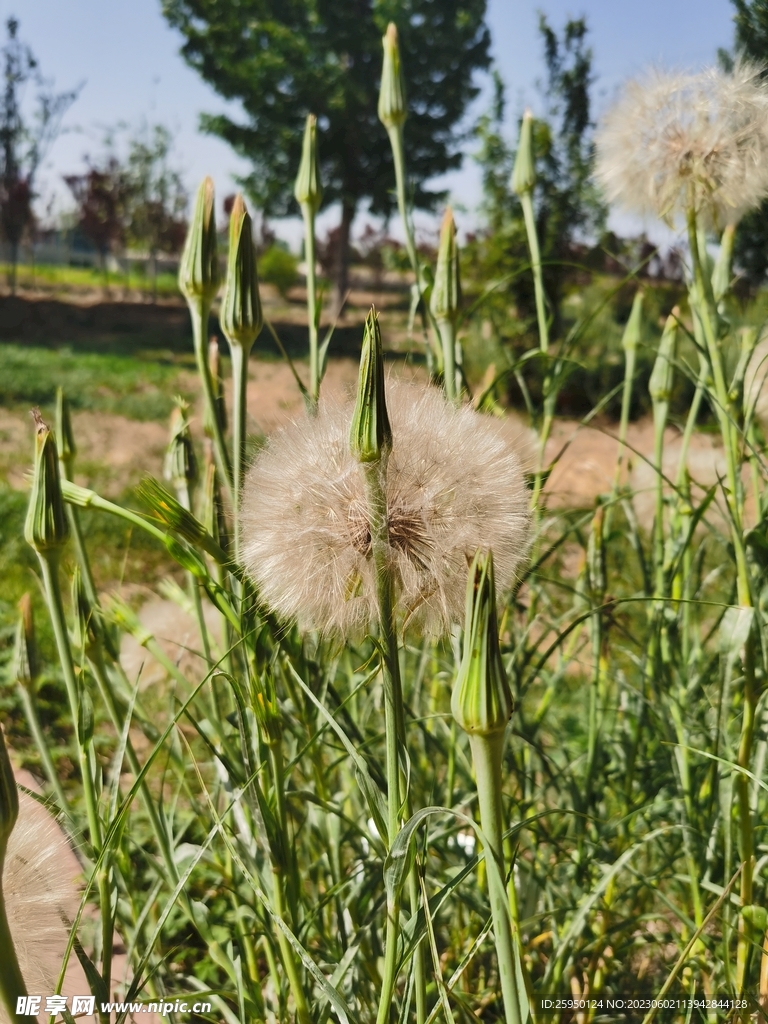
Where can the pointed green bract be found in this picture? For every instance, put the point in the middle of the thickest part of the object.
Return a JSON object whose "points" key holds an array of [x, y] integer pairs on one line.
{"points": [[524, 172], [308, 189], [392, 108], [631, 337], [445, 301], [199, 266], [482, 701], [662, 375], [241, 316], [46, 527], [25, 660], [370, 435]]}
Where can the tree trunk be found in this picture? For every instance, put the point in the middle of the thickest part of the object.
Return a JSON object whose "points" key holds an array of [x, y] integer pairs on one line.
{"points": [[12, 270], [348, 209]]}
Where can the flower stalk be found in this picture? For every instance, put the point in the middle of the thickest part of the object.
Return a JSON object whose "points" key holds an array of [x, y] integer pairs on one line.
{"points": [[445, 301], [482, 706], [522, 183]]}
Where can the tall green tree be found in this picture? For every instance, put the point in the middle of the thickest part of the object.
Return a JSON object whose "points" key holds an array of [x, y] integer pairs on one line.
{"points": [[283, 59], [750, 250]]}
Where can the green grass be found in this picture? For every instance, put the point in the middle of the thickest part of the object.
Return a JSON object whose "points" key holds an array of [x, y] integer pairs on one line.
{"points": [[62, 276], [136, 387]]}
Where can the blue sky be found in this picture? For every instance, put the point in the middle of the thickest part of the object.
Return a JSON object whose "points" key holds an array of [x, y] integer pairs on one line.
{"points": [[128, 59]]}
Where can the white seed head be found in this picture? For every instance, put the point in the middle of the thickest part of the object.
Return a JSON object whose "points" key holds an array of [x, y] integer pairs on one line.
{"points": [[676, 141], [40, 893], [454, 484]]}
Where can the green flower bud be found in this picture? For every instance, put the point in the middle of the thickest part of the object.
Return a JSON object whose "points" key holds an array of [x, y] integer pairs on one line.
{"points": [[170, 511], [199, 266], [308, 189], [482, 701], [524, 172], [25, 660], [46, 527], [85, 717], [445, 300], [631, 337], [370, 436], [392, 109], [180, 465], [9, 800], [65, 438], [219, 409], [266, 708], [241, 317], [124, 617], [662, 375]]}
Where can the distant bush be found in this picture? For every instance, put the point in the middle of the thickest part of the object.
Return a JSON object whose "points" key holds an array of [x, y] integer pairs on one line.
{"points": [[277, 266]]}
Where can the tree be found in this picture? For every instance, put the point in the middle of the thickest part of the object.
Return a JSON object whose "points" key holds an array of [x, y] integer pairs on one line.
{"points": [[23, 141], [101, 194], [154, 196], [750, 250], [283, 59]]}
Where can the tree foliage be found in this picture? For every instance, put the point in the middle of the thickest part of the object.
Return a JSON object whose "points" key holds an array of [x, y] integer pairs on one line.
{"points": [[283, 60], [750, 251], [24, 140]]}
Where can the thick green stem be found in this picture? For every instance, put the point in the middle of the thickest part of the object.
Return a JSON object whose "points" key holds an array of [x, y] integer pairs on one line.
{"points": [[746, 831], [308, 213], [486, 756], [239, 406], [398, 157], [200, 313], [526, 202], [448, 339], [49, 567], [12, 983]]}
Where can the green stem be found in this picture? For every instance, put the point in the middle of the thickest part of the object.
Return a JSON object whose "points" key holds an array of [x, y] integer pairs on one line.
{"points": [[394, 720], [526, 202], [746, 833], [447, 331], [286, 951], [49, 567], [12, 983], [486, 756], [30, 713], [398, 157], [308, 214], [200, 312], [239, 392]]}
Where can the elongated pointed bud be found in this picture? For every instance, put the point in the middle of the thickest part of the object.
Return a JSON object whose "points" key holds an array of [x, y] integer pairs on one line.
{"points": [[46, 527], [524, 171], [482, 701], [308, 188], [241, 317], [370, 435], [219, 408], [392, 108], [9, 801], [180, 465], [25, 660], [663, 373], [266, 708], [633, 329], [65, 438], [125, 618], [199, 266], [445, 301]]}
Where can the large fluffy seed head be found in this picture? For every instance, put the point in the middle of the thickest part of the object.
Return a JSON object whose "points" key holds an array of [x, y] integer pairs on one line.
{"points": [[454, 485], [40, 893], [675, 141]]}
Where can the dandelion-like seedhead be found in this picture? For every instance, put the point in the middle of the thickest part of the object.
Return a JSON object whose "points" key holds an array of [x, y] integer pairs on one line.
{"points": [[454, 484], [675, 142], [39, 895]]}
